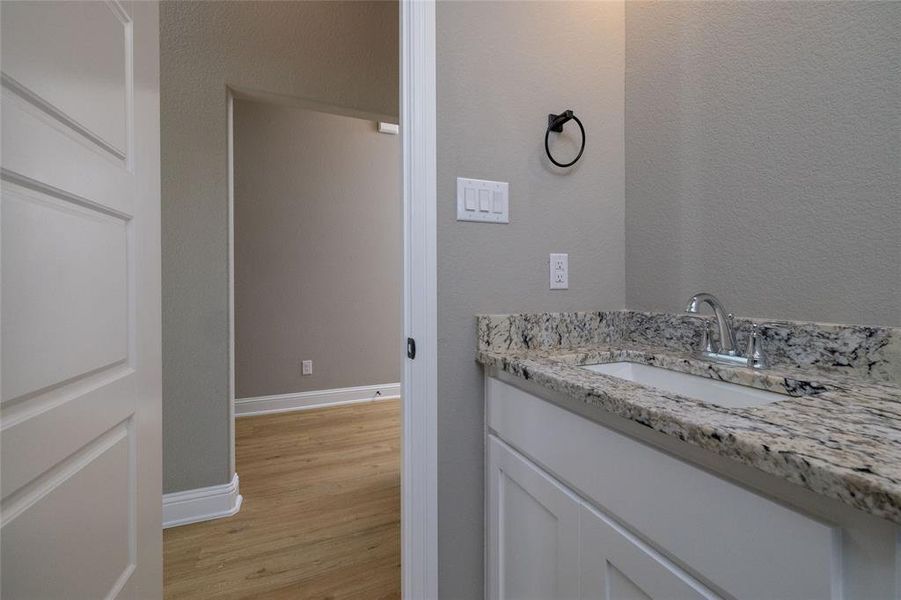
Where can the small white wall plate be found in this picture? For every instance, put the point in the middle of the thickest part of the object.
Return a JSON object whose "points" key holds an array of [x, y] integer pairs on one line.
{"points": [[483, 201]]}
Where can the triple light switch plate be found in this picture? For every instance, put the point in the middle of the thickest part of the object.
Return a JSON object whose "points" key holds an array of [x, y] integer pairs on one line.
{"points": [[483, 201]]}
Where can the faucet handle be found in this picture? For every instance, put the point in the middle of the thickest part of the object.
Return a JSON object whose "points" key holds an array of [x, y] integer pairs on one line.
{"points": [[708, 344], [755, 355]]}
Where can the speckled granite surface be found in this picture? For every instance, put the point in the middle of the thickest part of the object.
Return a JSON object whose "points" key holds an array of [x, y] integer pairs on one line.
{"points": [[872, 353], [837, 433]]}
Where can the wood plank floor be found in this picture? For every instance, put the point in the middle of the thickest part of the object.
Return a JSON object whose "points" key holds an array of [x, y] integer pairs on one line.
{"points": [[321, 513]]}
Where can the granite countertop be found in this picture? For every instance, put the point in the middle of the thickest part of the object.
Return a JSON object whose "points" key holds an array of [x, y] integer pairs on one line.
{"points": [[836, 433]]}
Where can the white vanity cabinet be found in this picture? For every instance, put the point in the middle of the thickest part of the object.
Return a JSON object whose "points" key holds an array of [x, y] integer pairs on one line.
{"points": [[546, 543], [579, 509]]}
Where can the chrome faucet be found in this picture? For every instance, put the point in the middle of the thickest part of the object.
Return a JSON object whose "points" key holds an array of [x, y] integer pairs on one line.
{"points": [[724, 321], [724, 349]]}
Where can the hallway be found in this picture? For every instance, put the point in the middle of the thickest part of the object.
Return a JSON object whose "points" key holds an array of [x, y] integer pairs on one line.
{"points": [[321, 512]]}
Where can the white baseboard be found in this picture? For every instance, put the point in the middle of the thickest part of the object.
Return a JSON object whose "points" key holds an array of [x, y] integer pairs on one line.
{"points": [[201, 504], [262, 405]]}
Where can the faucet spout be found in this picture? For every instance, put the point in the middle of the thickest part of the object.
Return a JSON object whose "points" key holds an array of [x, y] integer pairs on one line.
{"points": [[726, 333]]}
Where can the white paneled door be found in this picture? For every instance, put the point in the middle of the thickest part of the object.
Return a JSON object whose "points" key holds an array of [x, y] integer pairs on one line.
{"points": [[80, 301]]}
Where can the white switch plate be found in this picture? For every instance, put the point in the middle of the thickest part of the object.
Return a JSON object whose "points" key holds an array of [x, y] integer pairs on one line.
{"points": [[483, 201], [307, 367], [559, 271]]}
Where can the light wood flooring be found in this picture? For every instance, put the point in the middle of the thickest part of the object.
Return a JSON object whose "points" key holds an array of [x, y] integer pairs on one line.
{"points": [[321, 513]]}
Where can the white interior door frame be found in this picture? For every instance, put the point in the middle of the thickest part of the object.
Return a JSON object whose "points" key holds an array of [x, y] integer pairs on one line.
{"points": [[230, 107], [419, 379]]}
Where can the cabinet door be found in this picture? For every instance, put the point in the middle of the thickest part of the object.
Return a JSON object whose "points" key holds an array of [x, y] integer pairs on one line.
{"points": [[533, 529], [618, 566]]}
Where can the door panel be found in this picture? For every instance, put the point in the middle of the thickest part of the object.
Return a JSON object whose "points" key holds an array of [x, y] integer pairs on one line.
{"points": [[533, 530], [65, 278], [620, 587], [618, 566], [36, 539], [83, 409], [79, 301], [72, 58]]}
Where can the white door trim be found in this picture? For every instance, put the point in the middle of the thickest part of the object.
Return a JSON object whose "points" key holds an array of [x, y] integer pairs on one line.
{"points": [[419, 379], [230, 107]]}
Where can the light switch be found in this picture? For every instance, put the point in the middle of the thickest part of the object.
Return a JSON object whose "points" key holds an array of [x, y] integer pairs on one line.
{"points": [[498, 202], [484, 201], [470, 198]]}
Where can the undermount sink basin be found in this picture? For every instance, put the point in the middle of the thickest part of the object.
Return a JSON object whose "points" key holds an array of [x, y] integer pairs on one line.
{"points": [[729, 395]]}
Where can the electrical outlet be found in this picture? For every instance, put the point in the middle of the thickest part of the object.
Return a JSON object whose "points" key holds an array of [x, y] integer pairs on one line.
{"points": [[559, 271], [307, 367]]}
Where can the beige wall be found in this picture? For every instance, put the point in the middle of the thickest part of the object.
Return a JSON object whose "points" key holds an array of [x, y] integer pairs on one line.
{"points": [[763, 158], [318, 238], [502, 67], [337, 53]]}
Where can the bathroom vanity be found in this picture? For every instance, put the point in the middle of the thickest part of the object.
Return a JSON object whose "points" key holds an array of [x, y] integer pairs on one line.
{"points": [[620, 464]]}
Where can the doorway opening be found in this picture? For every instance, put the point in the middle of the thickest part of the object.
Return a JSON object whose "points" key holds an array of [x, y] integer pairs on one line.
{"points": [[418, 373], [316, 286], [317, 272]]}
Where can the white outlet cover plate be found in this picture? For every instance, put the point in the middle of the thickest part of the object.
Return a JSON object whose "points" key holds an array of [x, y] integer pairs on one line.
{"points": [[483, 201], [558, 267]]}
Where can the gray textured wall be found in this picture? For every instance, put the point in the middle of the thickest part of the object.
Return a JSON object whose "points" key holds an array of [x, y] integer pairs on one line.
{"points": [[502, 67], [763, 157], [339, 53], [318, 264]]}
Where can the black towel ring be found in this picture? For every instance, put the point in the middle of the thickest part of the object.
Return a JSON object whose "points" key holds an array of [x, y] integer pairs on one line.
{"points": [[555, 123]]}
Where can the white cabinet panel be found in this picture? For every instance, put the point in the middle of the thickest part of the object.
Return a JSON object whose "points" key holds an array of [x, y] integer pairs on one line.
{"points": [[618, 566], [533, 531]]}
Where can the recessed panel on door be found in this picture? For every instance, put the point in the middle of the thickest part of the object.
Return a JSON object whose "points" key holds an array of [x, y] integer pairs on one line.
{"points": [[71, 59], [65, 290], [71, 534]]}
